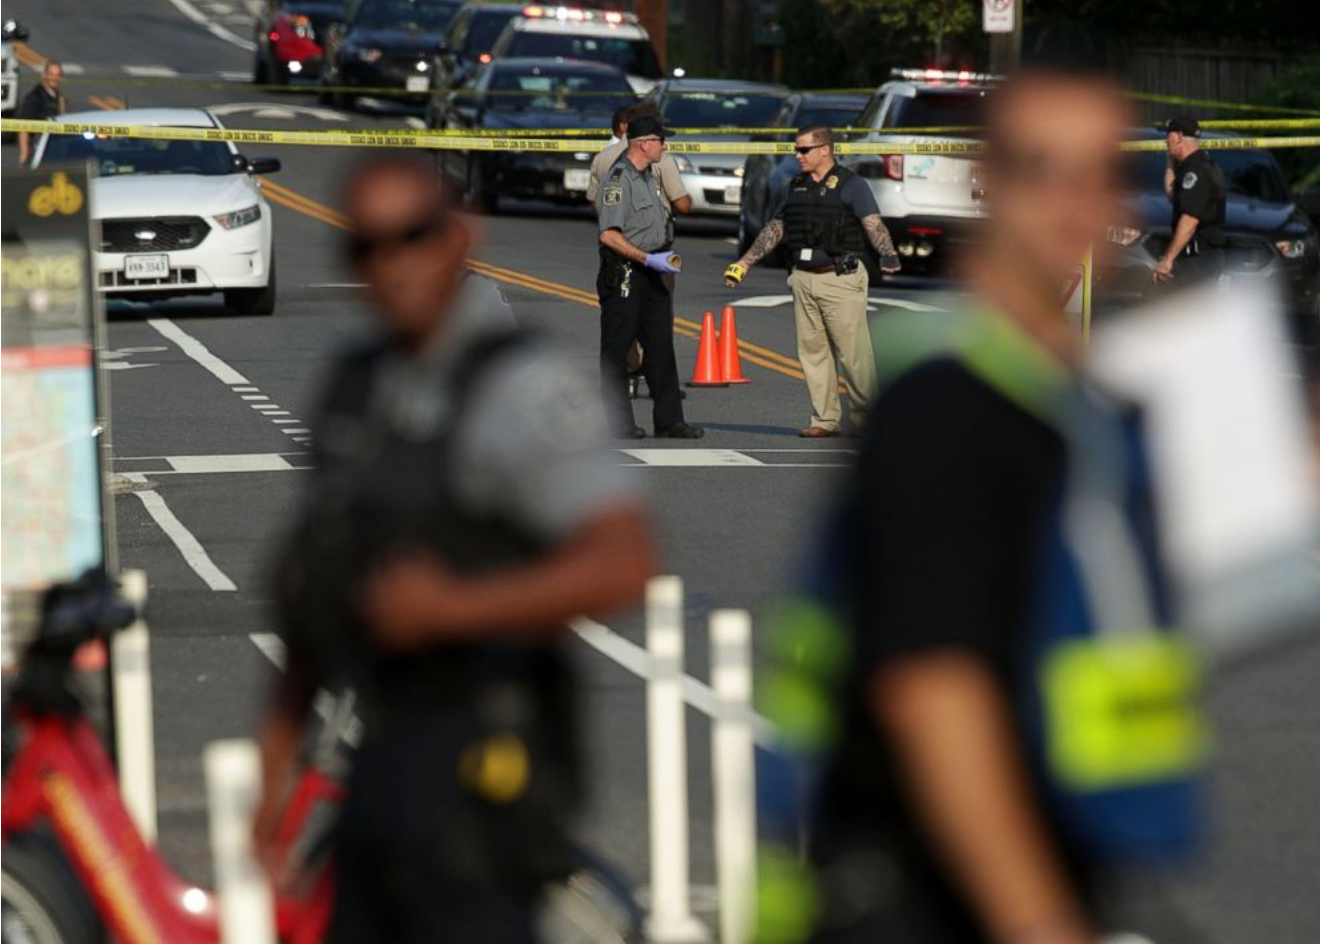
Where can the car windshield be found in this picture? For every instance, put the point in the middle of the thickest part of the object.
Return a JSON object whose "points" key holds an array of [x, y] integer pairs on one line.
{"points": [[120, 156], [632, 56], [1252, 174], [427, 15], [720, 109], [556, 91], [938, 110], [831, 116], [486, 28]]}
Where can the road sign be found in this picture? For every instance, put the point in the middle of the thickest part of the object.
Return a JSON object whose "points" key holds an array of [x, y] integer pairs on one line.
{"points": [[997, 16]]}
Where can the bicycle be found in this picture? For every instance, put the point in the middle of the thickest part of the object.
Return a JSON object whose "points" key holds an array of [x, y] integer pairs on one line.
{"points": [[75, 866]]}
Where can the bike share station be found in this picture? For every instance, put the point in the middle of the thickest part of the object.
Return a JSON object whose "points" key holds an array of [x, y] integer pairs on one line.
{"points": [[75, 828]]}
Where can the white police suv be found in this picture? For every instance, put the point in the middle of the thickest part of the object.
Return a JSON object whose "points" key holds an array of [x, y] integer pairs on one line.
{"points": [[930, 202]]}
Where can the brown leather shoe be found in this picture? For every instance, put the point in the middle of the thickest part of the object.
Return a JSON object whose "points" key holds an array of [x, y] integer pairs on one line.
{"points": [[817, 432]]}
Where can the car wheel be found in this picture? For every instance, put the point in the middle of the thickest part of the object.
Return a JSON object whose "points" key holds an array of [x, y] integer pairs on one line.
{"points": [[254, 301], [480, 190]]}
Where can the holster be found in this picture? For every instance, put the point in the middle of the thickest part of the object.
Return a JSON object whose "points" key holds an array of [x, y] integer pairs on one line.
{"points": [[614, 268]]}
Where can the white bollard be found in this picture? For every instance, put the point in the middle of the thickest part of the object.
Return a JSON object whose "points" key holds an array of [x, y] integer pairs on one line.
{"points": [[670, 920], [733, 763], [233, 785], [135, 738]]}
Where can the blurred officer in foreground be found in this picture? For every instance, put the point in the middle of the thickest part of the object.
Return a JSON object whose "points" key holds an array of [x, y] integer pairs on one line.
{"points": [[1014, 723], [45, 102], [1195, 185], [636, 297], [827, 220], [461, 512]]}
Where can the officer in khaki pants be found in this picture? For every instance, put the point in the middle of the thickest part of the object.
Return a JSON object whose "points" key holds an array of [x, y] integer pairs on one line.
{"points": [[826, 221]]}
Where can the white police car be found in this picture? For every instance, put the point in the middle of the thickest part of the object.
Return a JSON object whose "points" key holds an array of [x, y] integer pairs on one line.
{"points": [[175, 217], [930, 202]]}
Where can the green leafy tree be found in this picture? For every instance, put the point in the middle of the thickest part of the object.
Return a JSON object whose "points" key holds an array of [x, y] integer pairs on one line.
{"points": [[928, 22]]}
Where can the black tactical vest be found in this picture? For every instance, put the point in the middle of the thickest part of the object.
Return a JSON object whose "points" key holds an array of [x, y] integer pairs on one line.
{"points": [[815, 216]]}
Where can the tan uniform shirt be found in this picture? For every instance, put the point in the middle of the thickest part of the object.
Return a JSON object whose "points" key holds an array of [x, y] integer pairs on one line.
{"points": [[671, 181]]}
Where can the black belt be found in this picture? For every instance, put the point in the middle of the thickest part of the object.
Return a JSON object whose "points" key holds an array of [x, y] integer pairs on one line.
{"points": [[817, 270]]}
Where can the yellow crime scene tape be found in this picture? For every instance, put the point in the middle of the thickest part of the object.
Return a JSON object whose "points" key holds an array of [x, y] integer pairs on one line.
{"points": [[409, 138]]}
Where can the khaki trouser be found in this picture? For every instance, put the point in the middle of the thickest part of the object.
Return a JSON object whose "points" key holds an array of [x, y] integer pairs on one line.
{"points": [[830, 311]]}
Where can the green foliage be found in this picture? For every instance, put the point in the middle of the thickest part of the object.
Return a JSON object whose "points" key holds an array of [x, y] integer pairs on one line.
{"points": [[1297, 87]]}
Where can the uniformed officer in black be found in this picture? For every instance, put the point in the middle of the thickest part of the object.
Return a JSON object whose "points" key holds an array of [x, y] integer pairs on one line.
{"points": [[636, 255], [1195, 185], [827, 219]]}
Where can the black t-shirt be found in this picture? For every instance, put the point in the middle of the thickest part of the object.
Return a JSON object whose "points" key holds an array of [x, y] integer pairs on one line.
{"points": [[1199, 191], [949, 492], [40, 105]]}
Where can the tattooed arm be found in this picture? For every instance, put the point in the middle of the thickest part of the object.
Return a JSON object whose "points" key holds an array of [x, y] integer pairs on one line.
{"points": [[878, 235], [764, 244]]}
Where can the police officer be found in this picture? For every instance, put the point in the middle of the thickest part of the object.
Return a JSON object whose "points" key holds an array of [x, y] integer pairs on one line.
{"points": [[461, 511], [44, 103], [1195, 185], [636, 255], [672, 188], [827, 219]]}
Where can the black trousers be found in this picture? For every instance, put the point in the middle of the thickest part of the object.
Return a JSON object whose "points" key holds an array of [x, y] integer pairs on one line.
{"points": [[645, 314], [1207, 264]]}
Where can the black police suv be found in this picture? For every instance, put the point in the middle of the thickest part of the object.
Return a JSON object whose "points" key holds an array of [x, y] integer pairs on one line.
{"points": [[289, 37], [530, 94], [384, 44], [766, 176], [468, 41], [1268, 236]]}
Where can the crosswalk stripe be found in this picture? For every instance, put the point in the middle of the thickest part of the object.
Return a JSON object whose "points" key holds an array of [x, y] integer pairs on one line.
{"points": [[164, 72]]}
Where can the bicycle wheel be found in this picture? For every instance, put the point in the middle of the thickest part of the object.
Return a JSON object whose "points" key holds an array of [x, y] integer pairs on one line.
{"points": [[42, 899]]}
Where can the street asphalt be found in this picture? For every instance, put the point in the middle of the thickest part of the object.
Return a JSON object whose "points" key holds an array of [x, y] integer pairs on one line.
{"points": [[732, 531]]}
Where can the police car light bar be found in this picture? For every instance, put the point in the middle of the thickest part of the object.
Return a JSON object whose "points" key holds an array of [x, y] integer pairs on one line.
{"points": [[943, 75], [613, 17]]}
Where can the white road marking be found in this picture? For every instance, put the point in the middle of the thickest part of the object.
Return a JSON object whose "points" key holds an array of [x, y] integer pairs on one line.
{"points": [[194, 555], [123, 365], [764, 301], [244, 462], [266, 110], [282, 422], [902, 303], [235, 76], [295, 432], [254, 396], [266, 409], [246, 389], [159, 72], [692, 457], [215, 29], [197, 351], [608, 643]]}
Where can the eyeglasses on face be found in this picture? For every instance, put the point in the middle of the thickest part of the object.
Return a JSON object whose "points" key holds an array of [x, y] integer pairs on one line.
{"points": [[807, 148]]}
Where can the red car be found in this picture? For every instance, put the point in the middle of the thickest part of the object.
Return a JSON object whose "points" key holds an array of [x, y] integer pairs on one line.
{"points": [[289, 35]]}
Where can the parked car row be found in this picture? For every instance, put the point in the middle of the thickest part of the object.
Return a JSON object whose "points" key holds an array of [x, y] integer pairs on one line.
{"points": [[506, 66]]}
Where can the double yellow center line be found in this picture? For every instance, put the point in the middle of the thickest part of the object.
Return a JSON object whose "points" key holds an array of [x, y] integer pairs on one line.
{"points": [[754, 353]]}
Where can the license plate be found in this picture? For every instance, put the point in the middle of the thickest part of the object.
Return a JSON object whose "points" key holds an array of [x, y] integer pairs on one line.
{"points": [[733, 195], [416, 83], [577, 178], [147, 267]]}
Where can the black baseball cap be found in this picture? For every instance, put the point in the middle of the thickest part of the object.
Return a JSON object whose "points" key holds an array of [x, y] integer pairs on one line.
{"points": [[1183, 124], [646, 127]]}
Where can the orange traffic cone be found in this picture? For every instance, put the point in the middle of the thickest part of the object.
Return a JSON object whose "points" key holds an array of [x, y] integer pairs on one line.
{"points": [[708, 372], [730, 360]]}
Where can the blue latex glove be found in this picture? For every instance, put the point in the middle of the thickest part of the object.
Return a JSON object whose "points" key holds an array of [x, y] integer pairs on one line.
{"points": [[659, 261]]}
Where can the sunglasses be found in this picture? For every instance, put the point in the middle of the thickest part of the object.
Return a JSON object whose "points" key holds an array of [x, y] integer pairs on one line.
{"points": [[807, 148], [360, 248]]}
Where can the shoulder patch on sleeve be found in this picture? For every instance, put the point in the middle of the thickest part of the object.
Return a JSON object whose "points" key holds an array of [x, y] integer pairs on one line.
{"points": [[611, 195], [1189, 180]]}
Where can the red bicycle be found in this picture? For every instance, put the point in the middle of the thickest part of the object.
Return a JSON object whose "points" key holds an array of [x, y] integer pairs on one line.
{"points": [[75, 866]]}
